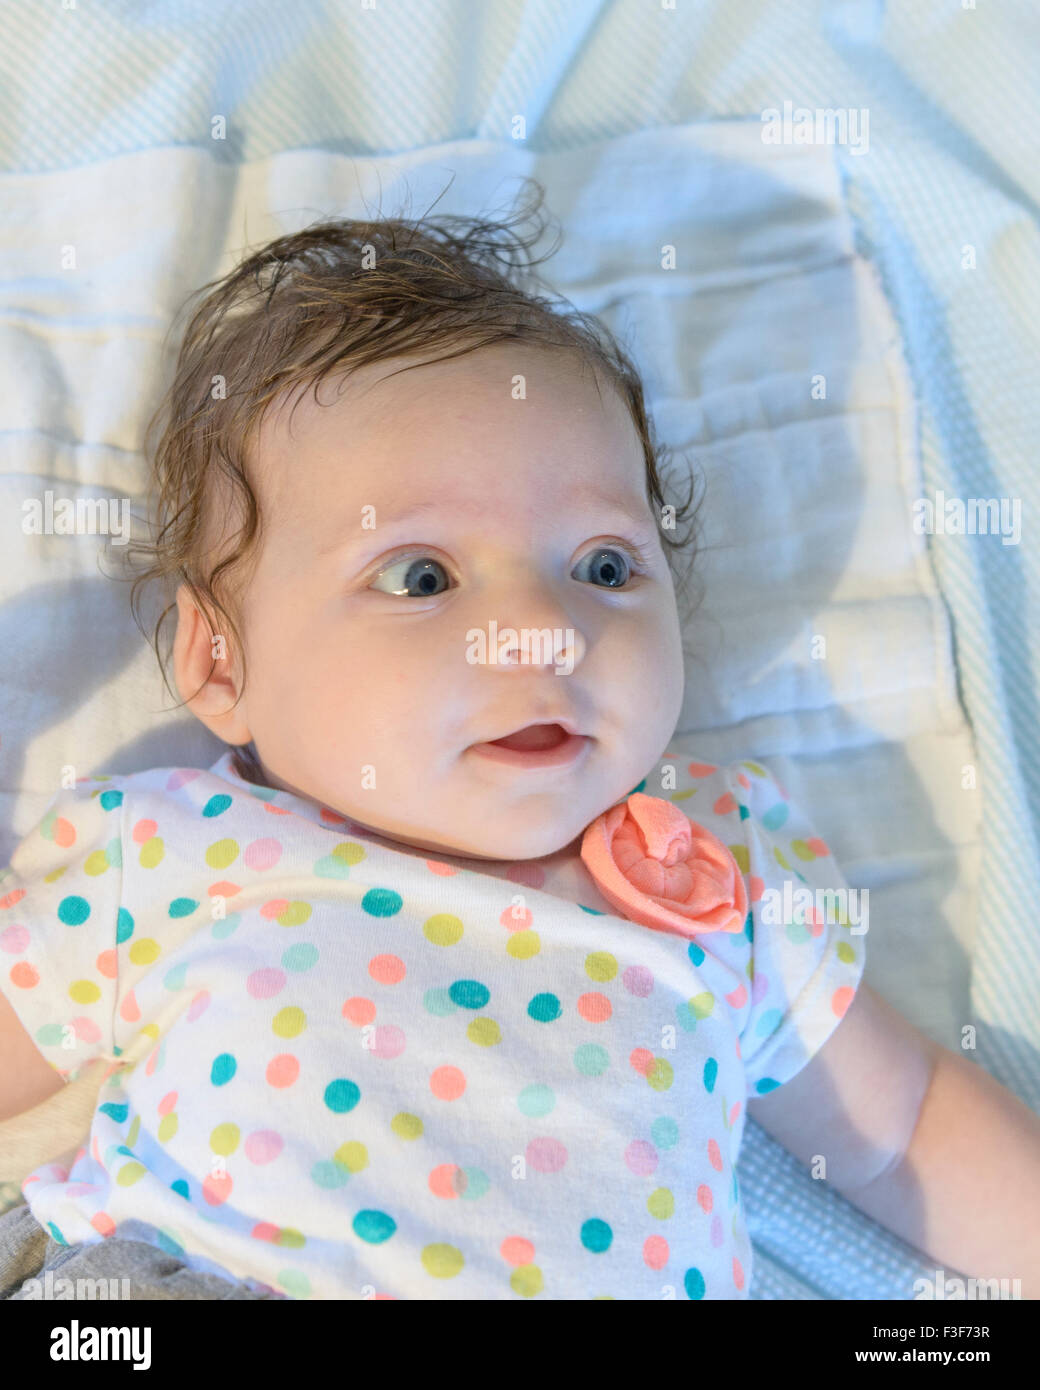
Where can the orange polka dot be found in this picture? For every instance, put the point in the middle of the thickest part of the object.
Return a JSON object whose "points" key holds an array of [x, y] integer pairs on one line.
{"points": [[144, 830], [757, 886], [274, 810], [282, 1070], [655, 1252], [106, 964], [152, 1062], [594, 1007], [359, 1011], [447, 1180], [168, 1103], [24, 975], [447, 1083], [516, 918], [128, 1010], [10, 899], [742, 779], [700, 769], [102, 1223], [841, 999], [442, 870], [64, 833], [818, 847], [332, 817], [274, 908], [223, 889], [263, 1230], [386, 970], [641, 1059], [725, 804], [515, 1250], [738, 1273], [714, 1156], [217, 1190], [705, 1198]]}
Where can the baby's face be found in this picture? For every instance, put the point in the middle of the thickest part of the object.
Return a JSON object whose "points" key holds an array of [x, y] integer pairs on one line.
{"points": [[365, 687]]}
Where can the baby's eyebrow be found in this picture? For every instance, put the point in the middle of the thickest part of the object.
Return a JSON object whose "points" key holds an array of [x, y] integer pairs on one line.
{"points": [[612, 507]]}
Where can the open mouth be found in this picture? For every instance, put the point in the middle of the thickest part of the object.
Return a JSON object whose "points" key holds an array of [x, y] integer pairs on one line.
{"points": [[535, 746], [533, 738]]}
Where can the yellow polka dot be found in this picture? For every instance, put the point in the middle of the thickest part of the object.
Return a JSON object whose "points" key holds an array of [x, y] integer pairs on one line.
{"points": [[151, 1030], [95, 863], [152, 852], [846, 953], [143, 952], [406, 1126], [167, 1127], [802, 850], [682, 796], [293, 1239], [349, 852], [779, 859], [133, 1132], [352, 1155], [289, 1022], [661, 1203], [130, 1173], [222, 853], [224, 1139], [53, 877], [740, 854], [442, 930], [294, 915], [84, 992], [758, 771], [702, 1004], [660, 1074], [485, 1032], [526, 1281], [600, 966], [442, 1261], [522, 945]]}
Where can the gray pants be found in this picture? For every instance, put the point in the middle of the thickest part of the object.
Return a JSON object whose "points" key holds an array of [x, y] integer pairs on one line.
{"points": [[28, 1252]]}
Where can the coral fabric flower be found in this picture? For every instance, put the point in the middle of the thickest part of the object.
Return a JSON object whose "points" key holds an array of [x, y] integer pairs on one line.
{"points": [[658, 867]]}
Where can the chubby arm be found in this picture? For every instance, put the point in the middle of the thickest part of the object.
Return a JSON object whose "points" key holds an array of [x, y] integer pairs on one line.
{"points": [[920, 1139]]}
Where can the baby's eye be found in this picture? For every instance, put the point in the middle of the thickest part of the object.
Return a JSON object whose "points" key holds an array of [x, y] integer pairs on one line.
{"points": [[418, 576], [605, 563]]}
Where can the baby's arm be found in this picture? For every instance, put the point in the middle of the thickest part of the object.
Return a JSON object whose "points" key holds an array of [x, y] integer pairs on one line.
{"points": [[924, 1141]]}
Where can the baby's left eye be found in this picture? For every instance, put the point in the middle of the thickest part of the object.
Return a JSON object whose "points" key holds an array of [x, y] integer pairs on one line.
{"points": [[611, 564]]}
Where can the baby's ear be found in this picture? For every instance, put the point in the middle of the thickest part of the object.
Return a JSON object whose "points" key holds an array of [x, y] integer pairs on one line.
{"points": [[204, 672]]}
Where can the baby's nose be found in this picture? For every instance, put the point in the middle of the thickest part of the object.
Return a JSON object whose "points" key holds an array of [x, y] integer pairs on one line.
{"points": [[540, 647]]}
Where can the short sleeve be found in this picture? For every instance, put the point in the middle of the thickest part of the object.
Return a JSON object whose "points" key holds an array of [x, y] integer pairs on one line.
{"points": [[59, 918], [808, 931]]}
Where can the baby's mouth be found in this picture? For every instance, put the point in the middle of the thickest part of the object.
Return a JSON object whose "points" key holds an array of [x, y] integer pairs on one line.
{"points": [[533, 738]]}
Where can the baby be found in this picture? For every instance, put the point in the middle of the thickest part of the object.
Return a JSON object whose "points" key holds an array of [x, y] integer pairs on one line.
{"points": [[453, 978]]}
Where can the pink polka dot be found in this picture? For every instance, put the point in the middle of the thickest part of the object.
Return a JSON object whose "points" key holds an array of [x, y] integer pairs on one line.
{"points": [[107, 964], [757, 886], [734, 1112], [168, 1103], [655, 1252], [546, 1155], [181, 776], [738, 1273], [263, 854], [282, 1070], [714, 1156], [103, 1223], [515, 1250], [841, 999], [274, 908], [388, 1041], [516, 918], [144, 830], [265, 984], [759, 987], [217, 1190], [818, 847], [530, 875], [738, 998], [14, 939], [705, 1198], [198, 1006], [86, 1030], [152, 1061], [641, 1158], [442, 870], [641, 1059], [594, 1007], [742, 779], [448, 1180], [716, 1230], [447, 1083], [386, 970], [263, 1146], [129, 1011], [638, 980], [263, 1230], [359, 1011]]}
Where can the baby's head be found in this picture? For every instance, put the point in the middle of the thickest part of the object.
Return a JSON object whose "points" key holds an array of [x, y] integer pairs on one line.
{"points": [[408, 506]]}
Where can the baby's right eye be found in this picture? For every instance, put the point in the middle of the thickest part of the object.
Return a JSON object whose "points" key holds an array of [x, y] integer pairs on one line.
{"points": [[419, 575]]}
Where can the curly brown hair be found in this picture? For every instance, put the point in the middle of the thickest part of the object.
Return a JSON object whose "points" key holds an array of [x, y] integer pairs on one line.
{"points": [[334, 297]]}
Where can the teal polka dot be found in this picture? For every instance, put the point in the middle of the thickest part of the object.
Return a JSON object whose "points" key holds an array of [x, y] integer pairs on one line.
{"points": [[382, 902], [744, 812], [114, 853], [767, 1084], [56, 1233], [173, 980], [591, 1060], [687, 1018], [596, 1236], [749, 927], [342, 1095], [374, 1226], [110, 800], [595, 911], [476, 1184], [167, 1243], [216, 805], [711, 1071], [122, 1149], [182, 907], [223, 1069], [118, 1113], [536, 1101], [223, 929], [49, 1035], [695, 953], [438, 1002], [693, 1282], [768, 1023], [774, 818], [124, 926], [181, 1189], [469, 994], [73, 910], [302, 956], [328, 1173], [543, 1008], [664, 1132], [294, 1282], [639, 788]]}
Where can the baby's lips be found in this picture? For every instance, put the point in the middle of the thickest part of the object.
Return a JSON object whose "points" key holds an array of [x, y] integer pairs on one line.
{"points": [[663, 870]]}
